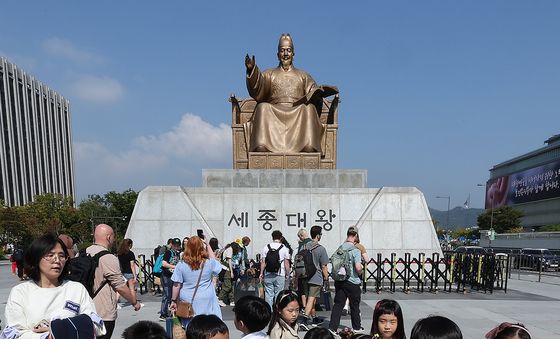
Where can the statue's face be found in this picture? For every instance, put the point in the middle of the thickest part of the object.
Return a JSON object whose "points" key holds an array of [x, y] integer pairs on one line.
{"points": [[286, 54]]}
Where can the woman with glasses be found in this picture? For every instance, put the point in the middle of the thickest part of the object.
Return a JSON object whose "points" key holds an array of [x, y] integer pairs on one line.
{"points": [[46, 296]]}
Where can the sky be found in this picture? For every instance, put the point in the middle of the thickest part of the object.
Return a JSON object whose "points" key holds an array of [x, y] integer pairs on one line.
{"points": [[433, 93]]}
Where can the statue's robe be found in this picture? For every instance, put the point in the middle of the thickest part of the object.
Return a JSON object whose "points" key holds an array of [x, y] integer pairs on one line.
{"points": [[278, 124]]}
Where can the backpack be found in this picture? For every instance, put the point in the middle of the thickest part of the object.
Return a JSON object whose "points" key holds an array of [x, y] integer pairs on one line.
{"points": [[272, 259], [157, 264], [82, 269], [17, 256], [305, 266], [342, 263]]}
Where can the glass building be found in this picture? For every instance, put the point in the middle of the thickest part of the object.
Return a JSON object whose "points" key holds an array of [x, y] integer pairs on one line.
{"points": [[35, 138]]}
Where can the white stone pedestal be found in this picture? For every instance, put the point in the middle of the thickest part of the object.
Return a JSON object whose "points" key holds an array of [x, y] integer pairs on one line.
{"points": [[237, 203]]}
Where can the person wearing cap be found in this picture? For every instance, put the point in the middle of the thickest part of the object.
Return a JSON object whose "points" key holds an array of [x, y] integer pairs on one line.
{"points": [[170, 260], [349, 288]]}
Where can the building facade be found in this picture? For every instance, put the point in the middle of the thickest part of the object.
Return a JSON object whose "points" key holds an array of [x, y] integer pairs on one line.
{"points": [[529, 183], [35, 138]]}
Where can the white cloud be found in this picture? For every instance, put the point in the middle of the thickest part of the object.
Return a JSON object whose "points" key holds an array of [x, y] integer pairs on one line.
{"points": [[171, 158], [97, 89], [193, 137], [65, 49]]}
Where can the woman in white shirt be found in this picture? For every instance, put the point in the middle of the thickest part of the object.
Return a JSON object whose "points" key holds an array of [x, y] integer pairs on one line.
{"points": [[47, 296]]}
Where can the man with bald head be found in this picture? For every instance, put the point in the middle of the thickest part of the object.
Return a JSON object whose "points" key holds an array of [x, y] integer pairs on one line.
{"points": [[108, 275]]}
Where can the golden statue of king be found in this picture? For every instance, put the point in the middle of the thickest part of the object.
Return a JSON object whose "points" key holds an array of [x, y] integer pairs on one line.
{"points": [[285, 118]]}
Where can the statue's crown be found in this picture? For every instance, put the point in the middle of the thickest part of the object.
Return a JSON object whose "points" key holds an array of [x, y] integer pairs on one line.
{"points": [[285, 37]]}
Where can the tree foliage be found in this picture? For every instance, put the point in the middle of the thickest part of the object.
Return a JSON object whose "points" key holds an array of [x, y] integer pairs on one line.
{"points": [[56, 213], [549, 228], [503, 220]]}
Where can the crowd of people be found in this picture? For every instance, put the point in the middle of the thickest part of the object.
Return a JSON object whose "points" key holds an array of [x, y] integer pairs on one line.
{"points": [[200, 277]]}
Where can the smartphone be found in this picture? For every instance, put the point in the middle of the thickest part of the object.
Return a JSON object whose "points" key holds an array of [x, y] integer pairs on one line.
{"points": [[200, 234]]}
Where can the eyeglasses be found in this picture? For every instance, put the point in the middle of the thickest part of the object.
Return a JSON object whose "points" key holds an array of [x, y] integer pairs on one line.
{"points": [[51, 257]]}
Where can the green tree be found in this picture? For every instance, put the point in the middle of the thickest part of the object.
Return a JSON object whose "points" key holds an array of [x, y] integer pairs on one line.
{"points": [[47, 213], [549, 228], [503, 219], [113, 208]]}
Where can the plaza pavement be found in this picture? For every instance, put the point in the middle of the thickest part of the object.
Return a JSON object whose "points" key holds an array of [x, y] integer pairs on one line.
{"points": [[535, 304]]}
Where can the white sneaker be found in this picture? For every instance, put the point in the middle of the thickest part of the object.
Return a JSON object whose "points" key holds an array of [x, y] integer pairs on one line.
{"points": [[361, 330], [335, 335], [303, 328], [232, 304], [221, 303]]}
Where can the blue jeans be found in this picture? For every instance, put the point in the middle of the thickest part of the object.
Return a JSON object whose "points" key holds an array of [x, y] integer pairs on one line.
{"points": [[273, 284], [166, 286]]}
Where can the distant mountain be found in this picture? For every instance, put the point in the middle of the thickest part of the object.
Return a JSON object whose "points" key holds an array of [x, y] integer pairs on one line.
{"points": [[458, 217]]}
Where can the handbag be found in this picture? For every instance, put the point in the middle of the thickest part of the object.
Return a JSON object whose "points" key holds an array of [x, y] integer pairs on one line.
{"points": [[185, 308]]}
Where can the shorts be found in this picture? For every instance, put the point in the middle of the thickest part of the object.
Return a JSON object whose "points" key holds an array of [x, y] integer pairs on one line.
{"points": [[311, 290], [128, 276]]}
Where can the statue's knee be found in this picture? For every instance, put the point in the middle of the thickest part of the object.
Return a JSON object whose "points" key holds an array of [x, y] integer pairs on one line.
{"points": [[260, 149], [308, 149]]}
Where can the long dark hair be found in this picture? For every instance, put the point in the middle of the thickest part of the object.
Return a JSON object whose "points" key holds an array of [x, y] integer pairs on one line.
{"points": [[235, 248], [282, 300], [287, 244], [213, 244], [125, 246], [37, 250], [388, 306]]}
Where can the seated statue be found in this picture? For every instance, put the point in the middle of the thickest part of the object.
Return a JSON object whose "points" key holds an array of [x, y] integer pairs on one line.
{"points": [[285, 118]]}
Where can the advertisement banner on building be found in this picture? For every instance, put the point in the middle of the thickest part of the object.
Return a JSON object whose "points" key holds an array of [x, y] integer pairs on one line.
{"points": [[537, 183]]}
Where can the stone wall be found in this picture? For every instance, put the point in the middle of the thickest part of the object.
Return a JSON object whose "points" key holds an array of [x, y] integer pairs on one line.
{"points": [[390, 219]]}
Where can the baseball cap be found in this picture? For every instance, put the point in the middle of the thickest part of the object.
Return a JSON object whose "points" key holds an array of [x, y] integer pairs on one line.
{"points": [[176, 241]]}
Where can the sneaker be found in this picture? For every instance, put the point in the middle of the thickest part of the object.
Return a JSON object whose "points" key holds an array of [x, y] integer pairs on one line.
{"points": [[303, 328], [232, 304], [361, 330], [162, 318], [317, 320], [221, 303], [334, 334]]}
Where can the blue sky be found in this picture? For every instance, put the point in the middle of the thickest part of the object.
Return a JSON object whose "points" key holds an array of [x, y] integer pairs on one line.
{"points": [[434, 93]]}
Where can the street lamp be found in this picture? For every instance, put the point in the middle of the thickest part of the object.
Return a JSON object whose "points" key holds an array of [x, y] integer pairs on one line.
{"points": [[491, 231], [448, 203], [93, 218]]}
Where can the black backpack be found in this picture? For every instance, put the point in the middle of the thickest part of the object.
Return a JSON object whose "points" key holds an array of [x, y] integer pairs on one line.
{"points": [[18, 256], [305, 267], [82, 269], [272, 259]]}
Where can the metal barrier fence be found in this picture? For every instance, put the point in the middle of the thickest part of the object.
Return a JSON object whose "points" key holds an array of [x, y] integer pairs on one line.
{"points": [[448, 273], [540, 265]]}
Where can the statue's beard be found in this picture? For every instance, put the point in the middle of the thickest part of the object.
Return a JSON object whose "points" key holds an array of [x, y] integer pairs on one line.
{"points": [[286, 63]]}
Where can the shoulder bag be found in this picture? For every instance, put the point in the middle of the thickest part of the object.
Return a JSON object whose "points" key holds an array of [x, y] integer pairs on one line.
{"points": [[184, 308]]}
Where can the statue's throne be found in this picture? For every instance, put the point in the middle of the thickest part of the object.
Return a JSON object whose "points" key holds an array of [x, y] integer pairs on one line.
{"points": [[242, 112]]}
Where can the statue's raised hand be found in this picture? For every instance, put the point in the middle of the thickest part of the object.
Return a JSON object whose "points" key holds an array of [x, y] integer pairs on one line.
{"points": [[249, 63]]}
